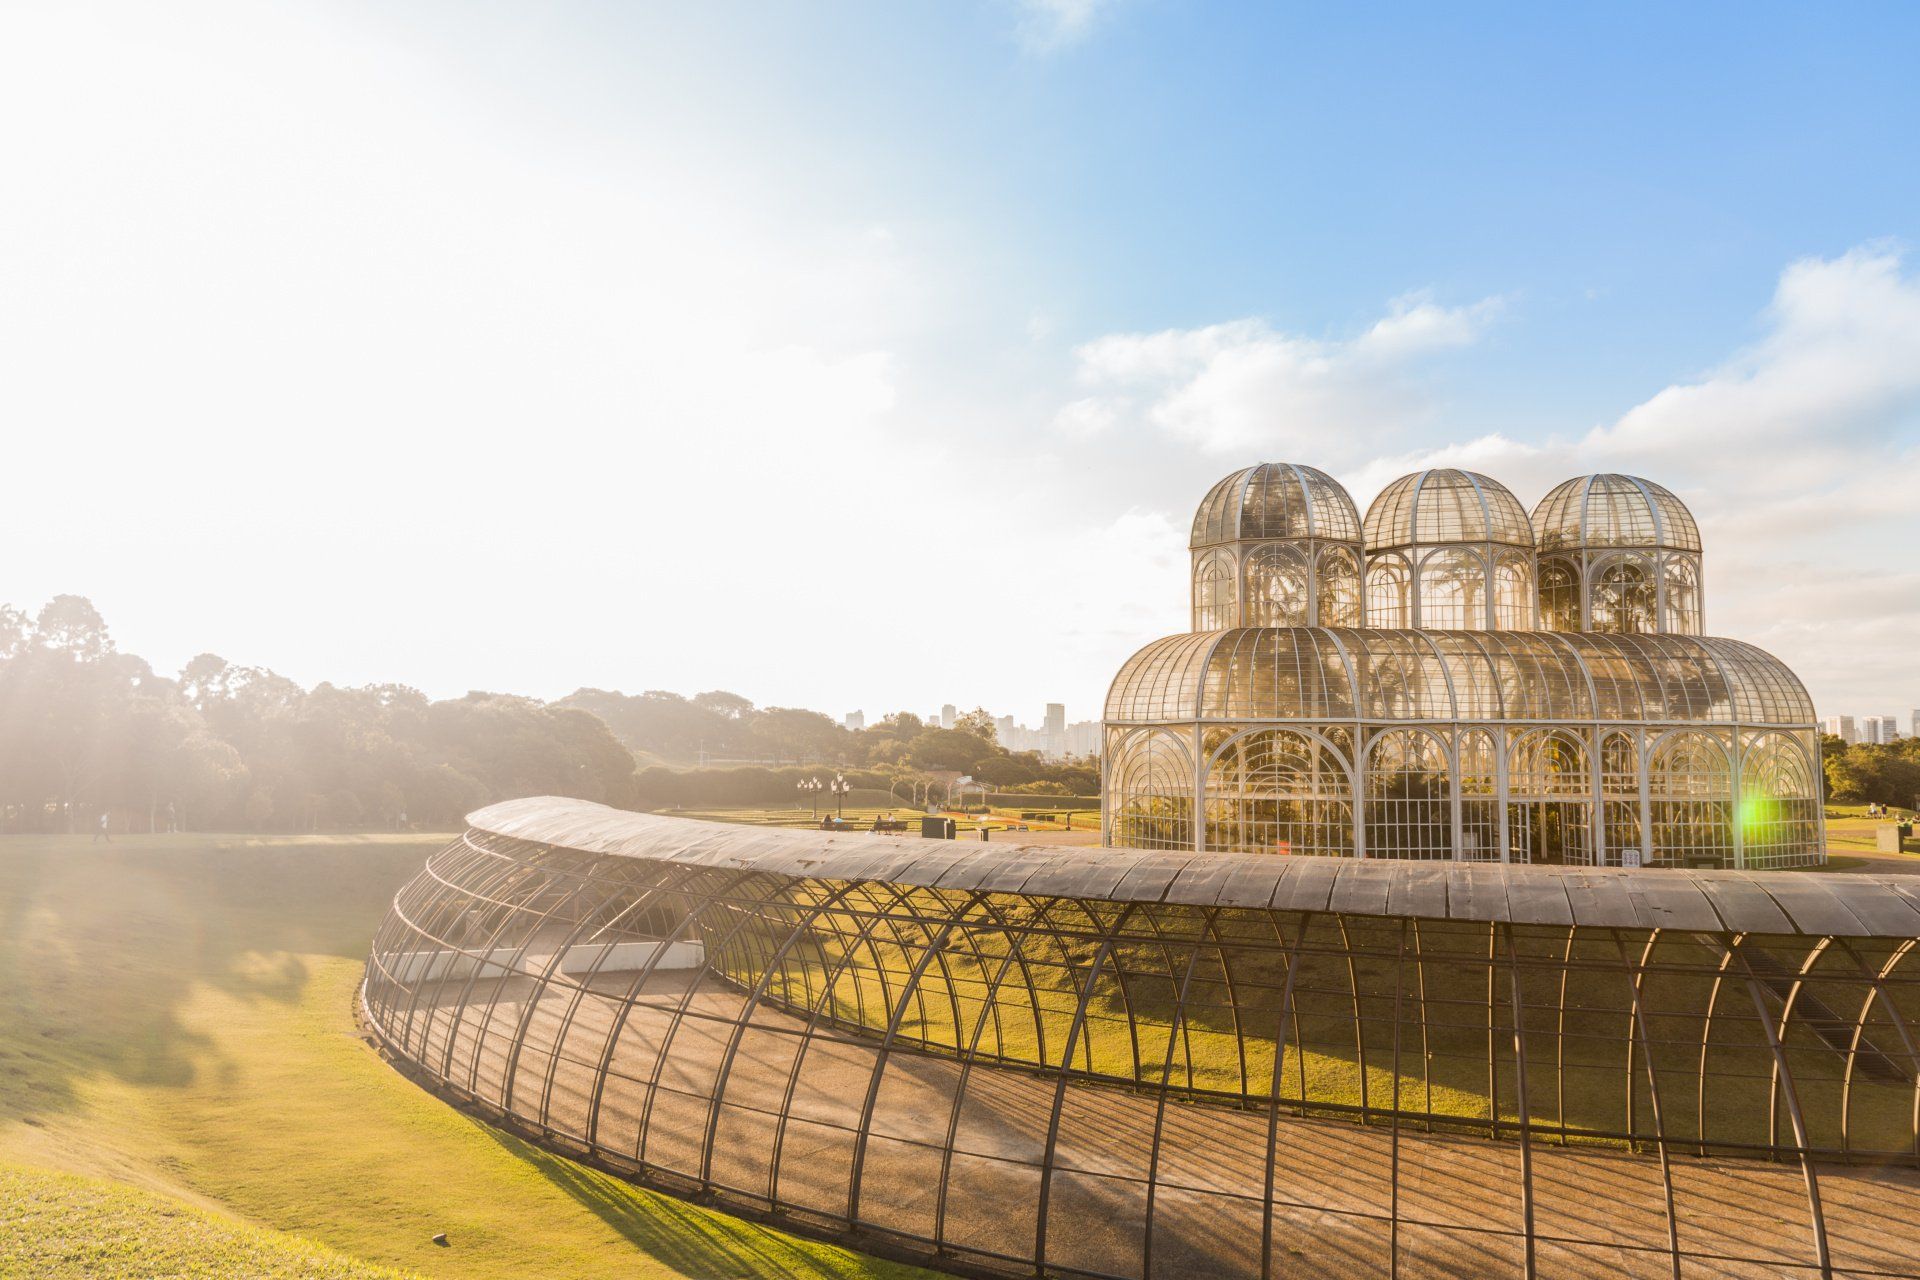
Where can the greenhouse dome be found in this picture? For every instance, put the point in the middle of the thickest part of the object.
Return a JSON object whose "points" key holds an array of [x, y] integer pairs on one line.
{"points": [[1486, 711], [1276, 545], [1450, 549], [1617, 553]]}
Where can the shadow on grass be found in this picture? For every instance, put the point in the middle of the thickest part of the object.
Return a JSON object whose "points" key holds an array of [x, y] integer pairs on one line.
{"points": [[102, 946], [686, 1237]]}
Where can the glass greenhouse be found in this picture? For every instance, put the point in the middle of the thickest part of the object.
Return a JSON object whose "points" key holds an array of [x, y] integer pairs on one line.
{"points": [[1503, 689]]}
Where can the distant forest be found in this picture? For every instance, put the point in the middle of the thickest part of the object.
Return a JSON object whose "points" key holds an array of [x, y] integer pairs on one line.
{"points": [[87, 730]]}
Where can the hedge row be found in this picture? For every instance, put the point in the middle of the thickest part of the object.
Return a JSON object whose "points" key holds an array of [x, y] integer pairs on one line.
{"points": [[1029, 800]]}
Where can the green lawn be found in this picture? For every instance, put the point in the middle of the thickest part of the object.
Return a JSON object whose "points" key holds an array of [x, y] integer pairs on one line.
{"points": [[62, 1226], [176, 1014], [1850, 830]]}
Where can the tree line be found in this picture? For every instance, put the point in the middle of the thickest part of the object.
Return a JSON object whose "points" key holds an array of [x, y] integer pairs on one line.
{"points": [[1871, 773], [665, 728], [86, 730]]}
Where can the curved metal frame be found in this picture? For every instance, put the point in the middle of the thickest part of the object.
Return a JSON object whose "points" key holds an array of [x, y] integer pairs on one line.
{"points": [[1099, 1062], [1180, 693]]}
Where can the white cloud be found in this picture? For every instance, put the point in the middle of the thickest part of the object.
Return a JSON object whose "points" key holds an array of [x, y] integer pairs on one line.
{"points": [[1048, 25], [1799, 455], [1244, 387]]}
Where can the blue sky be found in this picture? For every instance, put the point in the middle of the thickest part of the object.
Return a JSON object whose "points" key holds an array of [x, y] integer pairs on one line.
{"points": [[727, 332]]}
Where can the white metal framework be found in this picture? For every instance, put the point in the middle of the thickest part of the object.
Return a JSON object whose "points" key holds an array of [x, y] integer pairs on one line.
{"points": [[1107, 1064], [1617, 553], [1277, 545], [1451, 727], [1450, 550]]}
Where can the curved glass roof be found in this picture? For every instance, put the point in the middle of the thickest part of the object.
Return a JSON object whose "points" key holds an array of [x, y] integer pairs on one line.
{"points": [[1611, 510], [1868, 904], [1446, 505], [1319, 674], [1276, 500]]}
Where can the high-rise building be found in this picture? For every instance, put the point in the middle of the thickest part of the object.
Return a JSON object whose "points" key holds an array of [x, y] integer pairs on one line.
{"points": [[1892, 723], [856, 720], [948, 715], [1842, 728], [1915, 730], [1878, 730], [1056, 721], [1003, 729]]}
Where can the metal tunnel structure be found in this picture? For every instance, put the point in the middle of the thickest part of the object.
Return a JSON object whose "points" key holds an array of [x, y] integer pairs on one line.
{"points": [[1128, 1063]]}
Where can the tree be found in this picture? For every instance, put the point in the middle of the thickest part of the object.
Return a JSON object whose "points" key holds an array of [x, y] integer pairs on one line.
{"points": [[14, 630], [1004, 771], [980, 724], [728, 706], [790, 733], [72, 625], [947, 749]]}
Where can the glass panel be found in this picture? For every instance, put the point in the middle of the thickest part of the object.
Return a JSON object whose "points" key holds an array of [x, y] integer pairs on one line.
{"points": [[1559, 595], [1779, 803], [1339, 574], [1389, 592], [1479, 803], [1690, 793], [1453, 591], [1277, 589], [1549, 799], [1152, 793], [1680, 585], [1275, 791], [1213, 592], [1624, 594], [1409, 811]]}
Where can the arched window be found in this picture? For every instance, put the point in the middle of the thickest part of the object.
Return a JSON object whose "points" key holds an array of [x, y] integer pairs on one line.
{"points": [[1277, 588], [1680, 589], [1409, 804], [1152, 793], [1339, 574], [1620, 800], [1690, 799], [1389, 592], [1453, 591], [1559, 594], [1549, 798], [1214, 597], [1479, 798], [1513, 592], [1779, 807], [1276, 791], [1624, 594]]}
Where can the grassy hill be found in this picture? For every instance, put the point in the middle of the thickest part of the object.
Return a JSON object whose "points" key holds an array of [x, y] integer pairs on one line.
{"points": [[176, 1016], [58, 1225]]}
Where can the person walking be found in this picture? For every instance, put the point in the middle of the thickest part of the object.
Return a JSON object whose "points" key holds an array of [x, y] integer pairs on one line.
{"points": [[101, 832]]}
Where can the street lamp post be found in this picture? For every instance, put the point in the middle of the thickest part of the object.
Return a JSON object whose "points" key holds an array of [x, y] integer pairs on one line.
{"points": [[840, 786], [812, 788]]}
